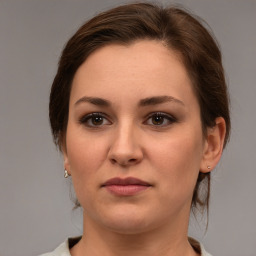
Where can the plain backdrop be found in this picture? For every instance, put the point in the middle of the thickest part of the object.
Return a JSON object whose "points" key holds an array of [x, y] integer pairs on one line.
{"points": [[35, 208]]}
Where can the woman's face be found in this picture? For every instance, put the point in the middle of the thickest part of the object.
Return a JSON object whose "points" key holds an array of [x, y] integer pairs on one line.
{"points": [[134, 143]]}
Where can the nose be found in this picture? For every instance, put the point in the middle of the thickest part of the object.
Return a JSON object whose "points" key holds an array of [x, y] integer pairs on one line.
{"points": [[125, 149]]}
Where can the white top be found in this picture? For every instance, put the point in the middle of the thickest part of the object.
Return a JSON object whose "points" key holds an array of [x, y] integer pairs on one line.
{"points": [[63, 249]]}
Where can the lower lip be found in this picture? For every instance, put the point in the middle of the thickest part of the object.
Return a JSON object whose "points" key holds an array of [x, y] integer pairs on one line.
{"points": [[126, 190]]}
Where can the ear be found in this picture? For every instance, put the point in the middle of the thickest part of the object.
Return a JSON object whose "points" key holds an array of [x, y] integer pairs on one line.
{"points": [[65, 156], [213, 145]]}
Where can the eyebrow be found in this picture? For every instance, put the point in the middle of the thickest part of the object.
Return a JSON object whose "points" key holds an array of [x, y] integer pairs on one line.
{"points": [[95, 101], [142, 103], [159, 100]]}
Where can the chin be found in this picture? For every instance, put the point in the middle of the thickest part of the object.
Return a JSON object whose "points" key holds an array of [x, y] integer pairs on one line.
{"points": [[127, 222], [128, 227]]}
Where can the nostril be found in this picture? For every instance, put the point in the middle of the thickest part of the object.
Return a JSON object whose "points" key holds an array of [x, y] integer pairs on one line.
{"points": [[123, 162], [113, 161], [128, 162]]}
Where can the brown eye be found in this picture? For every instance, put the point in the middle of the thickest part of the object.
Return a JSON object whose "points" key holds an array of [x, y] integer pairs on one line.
{"points": [[160, 119], [157, 120], [97, 120], [94, 120]]}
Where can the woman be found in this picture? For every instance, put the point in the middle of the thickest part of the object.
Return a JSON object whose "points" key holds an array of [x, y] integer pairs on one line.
{"points": [[139, 109]]}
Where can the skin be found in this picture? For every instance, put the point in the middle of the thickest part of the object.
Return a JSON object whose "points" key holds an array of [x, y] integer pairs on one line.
{"points": [[167, 151]]}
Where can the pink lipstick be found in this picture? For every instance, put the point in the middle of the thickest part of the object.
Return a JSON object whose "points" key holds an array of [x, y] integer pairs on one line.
{"points": [[126, 187]]}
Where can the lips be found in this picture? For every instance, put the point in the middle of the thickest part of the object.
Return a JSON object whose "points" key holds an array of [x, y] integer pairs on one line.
{"points": [[126, 187], [125, 182]]}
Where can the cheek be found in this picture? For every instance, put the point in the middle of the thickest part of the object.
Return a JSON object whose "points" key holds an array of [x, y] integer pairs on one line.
{"points": [[177, 160], [85, 156], [84, 151], [180, 149]]}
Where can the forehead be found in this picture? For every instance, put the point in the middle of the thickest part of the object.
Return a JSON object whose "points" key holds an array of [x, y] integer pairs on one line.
{"points": [[145, 68]]}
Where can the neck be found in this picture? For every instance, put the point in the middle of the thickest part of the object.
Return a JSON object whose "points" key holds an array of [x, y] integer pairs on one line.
{"points": [[164, 241]]}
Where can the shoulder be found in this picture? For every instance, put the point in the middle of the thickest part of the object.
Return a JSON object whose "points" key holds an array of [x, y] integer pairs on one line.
{"points": [[204, 252], [61, 250], [198, 247]]}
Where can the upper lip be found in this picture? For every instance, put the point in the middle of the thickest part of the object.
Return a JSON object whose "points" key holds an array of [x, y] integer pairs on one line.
{"points": [[125, 182]]}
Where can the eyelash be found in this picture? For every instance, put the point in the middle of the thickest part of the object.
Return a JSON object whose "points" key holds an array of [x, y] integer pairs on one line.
{"points": [[166, 117], [85, 119], [89, 118]]}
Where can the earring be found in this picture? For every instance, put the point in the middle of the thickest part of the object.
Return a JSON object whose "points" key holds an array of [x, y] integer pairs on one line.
{"points": [[66, 174], [208, 167]]}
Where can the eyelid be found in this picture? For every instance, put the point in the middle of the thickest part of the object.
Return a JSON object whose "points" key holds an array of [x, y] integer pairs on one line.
{"points": [[169, 117], [160, 114], [88, 116]]}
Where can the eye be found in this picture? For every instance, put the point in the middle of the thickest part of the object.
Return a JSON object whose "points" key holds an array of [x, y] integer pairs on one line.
{"points": [[94, 120], [160, 119]]}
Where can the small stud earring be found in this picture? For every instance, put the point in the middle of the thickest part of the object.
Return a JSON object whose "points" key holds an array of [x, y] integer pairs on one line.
{"points": [[208, 167], [66, 174]]}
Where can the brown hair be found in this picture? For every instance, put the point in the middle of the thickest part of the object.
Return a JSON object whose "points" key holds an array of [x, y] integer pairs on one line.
{"points": [[178, 30]]}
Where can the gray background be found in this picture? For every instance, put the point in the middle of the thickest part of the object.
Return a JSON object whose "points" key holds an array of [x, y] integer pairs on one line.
{"points": [[35, 209]]}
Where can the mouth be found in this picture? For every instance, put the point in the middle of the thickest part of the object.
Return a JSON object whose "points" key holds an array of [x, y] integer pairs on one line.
{"points": [[126, 187]]}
